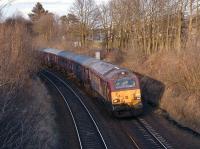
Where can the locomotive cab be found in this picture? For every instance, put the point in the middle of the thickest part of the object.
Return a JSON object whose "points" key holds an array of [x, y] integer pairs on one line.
{"points": [[126, 94]]}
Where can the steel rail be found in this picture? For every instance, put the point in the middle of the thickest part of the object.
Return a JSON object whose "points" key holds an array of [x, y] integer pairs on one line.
{"points": [[133, 141], [79, 98], [130, 137], [80, 143], [150, 131]]}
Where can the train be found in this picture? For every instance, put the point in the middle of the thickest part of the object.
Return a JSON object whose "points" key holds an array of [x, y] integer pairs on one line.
{"points": [[117, 86]]}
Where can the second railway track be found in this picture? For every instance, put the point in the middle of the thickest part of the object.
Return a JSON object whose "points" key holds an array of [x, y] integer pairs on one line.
{"points": [[142, 135], [88, 132], [160, 142]]}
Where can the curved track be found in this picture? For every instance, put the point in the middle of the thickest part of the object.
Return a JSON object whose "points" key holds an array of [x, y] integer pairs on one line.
{"points": [[142, 135], [88, 133], [160, 142], [128, 134]]}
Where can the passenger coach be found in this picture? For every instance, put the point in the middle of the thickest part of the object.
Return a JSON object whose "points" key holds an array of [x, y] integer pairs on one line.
{"points": [[118, 86]]}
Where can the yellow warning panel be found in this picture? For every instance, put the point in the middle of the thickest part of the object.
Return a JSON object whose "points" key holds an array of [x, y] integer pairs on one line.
{"points": [[130, 97]]}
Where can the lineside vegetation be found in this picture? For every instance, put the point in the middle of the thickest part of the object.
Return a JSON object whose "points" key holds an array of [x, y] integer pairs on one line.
{"points": [[26, 115], [158, 38]]}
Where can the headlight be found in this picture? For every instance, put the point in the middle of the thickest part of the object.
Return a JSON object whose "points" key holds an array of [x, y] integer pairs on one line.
{"points": [[137, 97], [116, 100]]}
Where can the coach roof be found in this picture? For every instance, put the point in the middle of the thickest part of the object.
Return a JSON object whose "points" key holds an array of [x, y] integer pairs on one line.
{"points": [[80, 59], [90, 61], [66, 54], [52, 51]]}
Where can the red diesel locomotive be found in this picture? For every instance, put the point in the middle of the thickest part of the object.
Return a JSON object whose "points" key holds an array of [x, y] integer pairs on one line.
{"points": [[118, 86]]}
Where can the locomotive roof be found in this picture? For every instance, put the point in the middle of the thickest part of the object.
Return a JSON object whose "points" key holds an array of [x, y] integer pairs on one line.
{"points": [[118, 72], [52, 51], [102, 67]]}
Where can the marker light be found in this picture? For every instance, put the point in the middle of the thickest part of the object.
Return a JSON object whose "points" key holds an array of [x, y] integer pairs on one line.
{"points": [[116, 100]]}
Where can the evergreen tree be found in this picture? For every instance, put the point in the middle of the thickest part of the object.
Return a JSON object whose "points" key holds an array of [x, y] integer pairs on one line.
{"points": [[37, 12], [69, 19]]}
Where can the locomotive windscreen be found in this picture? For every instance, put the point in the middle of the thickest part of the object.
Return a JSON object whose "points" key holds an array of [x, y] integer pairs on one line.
{"points": [[125, 83]]}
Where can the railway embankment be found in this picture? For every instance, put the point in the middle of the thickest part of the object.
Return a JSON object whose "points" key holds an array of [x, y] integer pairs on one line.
{"points": [[127, 132], [26, 115], [27, 118], [171, 81]]}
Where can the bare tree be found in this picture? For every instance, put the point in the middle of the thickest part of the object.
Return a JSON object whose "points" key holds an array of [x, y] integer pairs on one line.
{"points": [[151, 25], [86, 11], [70, 27], [46, 27], [105, 20]]}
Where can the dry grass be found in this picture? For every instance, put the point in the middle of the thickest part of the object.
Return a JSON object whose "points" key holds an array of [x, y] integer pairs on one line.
{"points": [[180, 74], [17, 58], [182, 96], [44, 132], [26, 116], [28, 121]]}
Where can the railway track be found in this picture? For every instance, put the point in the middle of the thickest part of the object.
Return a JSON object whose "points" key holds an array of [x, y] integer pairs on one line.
{"points": [[132, 140], [159, 141], [150, 138], [88, 132]]}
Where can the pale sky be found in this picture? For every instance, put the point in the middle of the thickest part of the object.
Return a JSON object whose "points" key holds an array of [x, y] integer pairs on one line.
{"points": [[24, 7]]}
